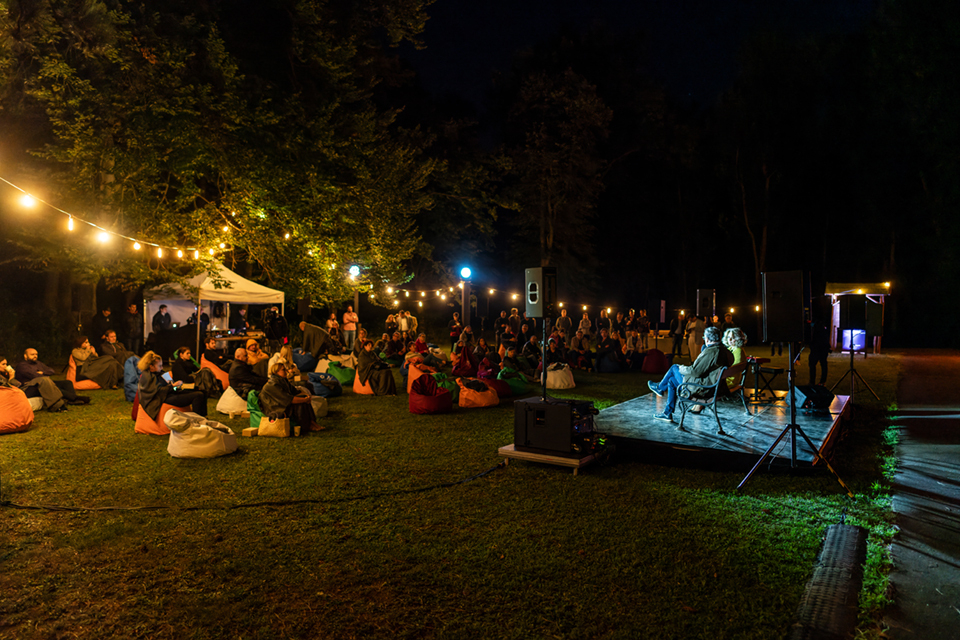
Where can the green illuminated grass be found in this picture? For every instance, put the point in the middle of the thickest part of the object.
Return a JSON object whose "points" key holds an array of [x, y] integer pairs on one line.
{"points": [[628, 549]]}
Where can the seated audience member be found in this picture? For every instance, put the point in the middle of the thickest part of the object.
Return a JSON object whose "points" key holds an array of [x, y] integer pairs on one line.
{"points": [[184, 366], [396, 349], [242, 378], [374, 371], [316, 341], [114, 349], [391, 324], [358, 342], [482, 349], [281, 399], [555, 354], [216, 356], [511, 361], [705, 370], [103, 370], [467, 335], [508, 338], [579, 355], [609, 355], [631, 347], [254, 354], [734, 339], [154, 389], [531, 351], [40, 387], [381, 344], [31, 368], [420, 346]]}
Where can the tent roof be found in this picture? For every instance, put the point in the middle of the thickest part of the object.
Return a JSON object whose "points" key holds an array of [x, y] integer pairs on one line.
{"points": [[857, 288], [238, 289]]}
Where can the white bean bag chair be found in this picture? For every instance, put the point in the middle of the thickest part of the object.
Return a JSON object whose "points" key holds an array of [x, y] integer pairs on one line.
{"points": [[193, 436], [231, 402], [319, 404], [322, 365], [560, 376], [349, 361]]}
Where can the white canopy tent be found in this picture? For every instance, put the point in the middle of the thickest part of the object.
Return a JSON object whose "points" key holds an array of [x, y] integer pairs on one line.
{"points": [[205, 289]]}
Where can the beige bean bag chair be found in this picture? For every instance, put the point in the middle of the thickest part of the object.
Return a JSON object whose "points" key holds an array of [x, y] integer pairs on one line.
{"points": [[193, 436]]}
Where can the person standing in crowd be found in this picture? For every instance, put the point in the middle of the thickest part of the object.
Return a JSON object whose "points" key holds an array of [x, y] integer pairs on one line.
{"points": [[239, 322], [676, 332], [643, 329], [586, 325], [161, 320], [695, 328], [101, 323], [603, 322], [350, 320], [515, 321], [500, 326], [564, 323], [132, 325], [456, 328]]}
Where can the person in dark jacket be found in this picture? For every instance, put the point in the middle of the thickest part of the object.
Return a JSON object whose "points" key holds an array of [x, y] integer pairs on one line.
{"points": [[374, 371], [279, 398], [132, 326], [242, 378], [705, 370], [184, 366], [154, 390]]}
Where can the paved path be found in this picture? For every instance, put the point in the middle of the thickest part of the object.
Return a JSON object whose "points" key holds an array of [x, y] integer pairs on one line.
{"points": [[926, 554]]}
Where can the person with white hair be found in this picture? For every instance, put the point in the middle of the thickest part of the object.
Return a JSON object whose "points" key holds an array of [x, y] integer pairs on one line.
{"points": [[704, 371], [734, 339]]}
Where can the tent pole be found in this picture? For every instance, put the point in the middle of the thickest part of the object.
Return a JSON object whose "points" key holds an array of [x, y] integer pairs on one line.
{"points": [[199, 315]]}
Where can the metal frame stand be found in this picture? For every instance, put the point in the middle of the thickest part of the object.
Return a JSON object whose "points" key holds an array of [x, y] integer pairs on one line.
{"points": [[854, 376], [543, 360], [793, 429]]}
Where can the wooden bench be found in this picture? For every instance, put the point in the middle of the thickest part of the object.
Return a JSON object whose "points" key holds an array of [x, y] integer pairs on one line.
{"points": [[714, 392]]}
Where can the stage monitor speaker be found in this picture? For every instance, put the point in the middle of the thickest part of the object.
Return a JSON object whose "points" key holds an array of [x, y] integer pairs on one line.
{"points": [[853, 312], [551, 425], [783, 306], [815, 397], [303, 307], [874, 318], [706, 302], [541, 292]]}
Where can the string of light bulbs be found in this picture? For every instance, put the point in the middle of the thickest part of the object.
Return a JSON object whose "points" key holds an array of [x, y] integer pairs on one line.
{"points": [[29, 200]]}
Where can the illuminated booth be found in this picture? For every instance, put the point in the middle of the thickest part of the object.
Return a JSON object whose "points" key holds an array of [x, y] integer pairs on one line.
{"points": [[857, 314], [206, 291]]}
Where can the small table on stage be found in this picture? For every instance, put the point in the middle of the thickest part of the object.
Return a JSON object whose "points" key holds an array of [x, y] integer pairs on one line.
{"points": [[758, 371]]}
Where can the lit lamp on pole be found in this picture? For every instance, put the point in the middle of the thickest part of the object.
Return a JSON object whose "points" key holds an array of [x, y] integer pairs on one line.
{"points": [[354, 272], [465, 273]]}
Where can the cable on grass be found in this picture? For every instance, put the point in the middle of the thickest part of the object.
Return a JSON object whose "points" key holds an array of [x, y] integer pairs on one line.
{"points": [[265, 503]]}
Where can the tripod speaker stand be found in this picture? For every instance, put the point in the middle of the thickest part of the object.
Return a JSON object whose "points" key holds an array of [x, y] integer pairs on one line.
{"points": [[854, 376], [793, 429]]}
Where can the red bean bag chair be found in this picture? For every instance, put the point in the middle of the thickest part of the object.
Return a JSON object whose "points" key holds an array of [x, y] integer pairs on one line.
{"points": [[146, 424], [473, 398], [426, 396], [501, 387], [218, 373], [655, 362], [364, 389], [416, 371], [83, 385], [15, 412]]}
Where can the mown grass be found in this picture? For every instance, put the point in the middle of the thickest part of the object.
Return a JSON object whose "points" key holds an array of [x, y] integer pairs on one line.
{"points": [[633, 548]]}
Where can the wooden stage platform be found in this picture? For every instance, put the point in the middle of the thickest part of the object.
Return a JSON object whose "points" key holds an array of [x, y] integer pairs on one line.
{"points": [[632, 423]]}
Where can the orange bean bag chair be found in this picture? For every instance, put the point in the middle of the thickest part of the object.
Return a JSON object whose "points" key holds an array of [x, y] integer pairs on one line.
{"points": [[83, 385], [364, 389], [471, 398], [146, 424], [218, 373], [15, 412]]}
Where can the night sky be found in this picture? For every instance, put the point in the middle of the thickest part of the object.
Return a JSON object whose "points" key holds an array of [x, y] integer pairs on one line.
{"points": [[693, 45]]}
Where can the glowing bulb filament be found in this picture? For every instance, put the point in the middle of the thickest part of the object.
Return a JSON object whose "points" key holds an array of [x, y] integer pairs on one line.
{"points": [[70, 223]]}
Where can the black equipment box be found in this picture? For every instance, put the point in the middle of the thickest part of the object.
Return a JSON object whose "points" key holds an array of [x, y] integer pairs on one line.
{"points": [[561, 426]]}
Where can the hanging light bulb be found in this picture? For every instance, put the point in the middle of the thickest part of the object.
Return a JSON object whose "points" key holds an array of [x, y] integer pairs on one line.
{"points": [[226, 228], [70, 223], [584, 307], [420, 304], [423, 294], [491, 291], [460, 285], [370, 295], [136, 246], [286, 236], [211, 251], [389, 289], [443, 296], [561, 305], [103, 237], [396, 303], [513, 297], [196, 254], [179, 253], [159, 252], [223, 245], [310, 253], [406, 293]]}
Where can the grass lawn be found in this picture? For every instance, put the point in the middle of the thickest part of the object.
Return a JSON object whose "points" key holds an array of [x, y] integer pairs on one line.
{"points": [[633, 548]]}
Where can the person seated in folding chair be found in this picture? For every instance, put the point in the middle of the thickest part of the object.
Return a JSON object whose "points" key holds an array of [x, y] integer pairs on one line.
{"points": [[705, 370]]}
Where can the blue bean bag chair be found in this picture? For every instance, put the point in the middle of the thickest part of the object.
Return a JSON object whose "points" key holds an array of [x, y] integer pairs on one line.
{"points": [[325, 385], [304, 360], [131, 378]]}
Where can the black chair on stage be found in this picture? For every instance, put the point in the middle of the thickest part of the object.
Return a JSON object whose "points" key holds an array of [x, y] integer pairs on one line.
{"points": [[713, 393]]}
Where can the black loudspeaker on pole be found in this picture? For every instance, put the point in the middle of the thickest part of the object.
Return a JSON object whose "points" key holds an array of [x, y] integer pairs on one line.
{"points": [[541, 292], [783, 306]]}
